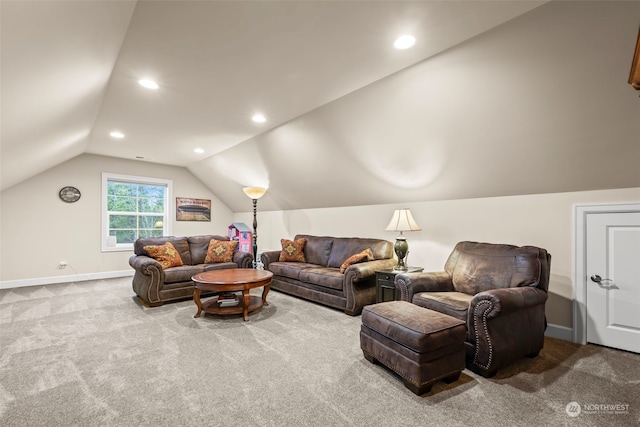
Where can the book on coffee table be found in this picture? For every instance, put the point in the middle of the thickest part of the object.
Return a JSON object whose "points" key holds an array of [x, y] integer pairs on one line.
{"points": [[228, 302]]}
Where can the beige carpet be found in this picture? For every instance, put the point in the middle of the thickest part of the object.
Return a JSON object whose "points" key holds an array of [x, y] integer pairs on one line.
{"points": [[87, 354]]}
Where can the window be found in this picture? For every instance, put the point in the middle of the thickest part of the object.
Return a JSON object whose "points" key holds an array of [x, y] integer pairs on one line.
{"points": [[133, 207]]}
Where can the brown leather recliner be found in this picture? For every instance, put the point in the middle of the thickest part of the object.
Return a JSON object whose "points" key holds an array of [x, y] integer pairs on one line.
{"points": [[500, 292]]}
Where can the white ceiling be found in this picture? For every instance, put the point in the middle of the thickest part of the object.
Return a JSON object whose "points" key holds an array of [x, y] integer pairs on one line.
{"points": [[70, 71]]}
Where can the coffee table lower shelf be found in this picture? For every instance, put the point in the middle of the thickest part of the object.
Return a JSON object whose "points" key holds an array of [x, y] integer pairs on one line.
{"points": [[212, 306]]}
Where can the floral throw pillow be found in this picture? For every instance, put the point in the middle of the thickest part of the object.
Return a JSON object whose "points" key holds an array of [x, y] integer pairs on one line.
{"points": [[292, 250], [166, 255], [365, 255], [220, 251]]}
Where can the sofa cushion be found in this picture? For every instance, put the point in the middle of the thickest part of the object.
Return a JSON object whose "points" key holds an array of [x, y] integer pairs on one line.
{"points": [[323, 276], [365, 255], [180, 243], [292, 250], [220, 251], [344, 247], [454, 304], [166, 254], [477, 267], [317, 249], [182, 273], [289, 269], [198, 246]]}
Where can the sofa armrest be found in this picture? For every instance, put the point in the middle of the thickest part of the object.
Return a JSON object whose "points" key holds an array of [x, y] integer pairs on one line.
{"points": [[145, 264], [148, 279], [269, 257], [506, 300], [410, 284], [243, 259], [359, 285], [364, 270]]}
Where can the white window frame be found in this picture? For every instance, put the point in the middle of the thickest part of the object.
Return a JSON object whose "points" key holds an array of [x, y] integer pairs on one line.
{"points": [[167, 223]]}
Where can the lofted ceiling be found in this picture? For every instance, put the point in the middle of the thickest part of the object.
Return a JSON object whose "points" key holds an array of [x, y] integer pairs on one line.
{"points": [[70, 71]]}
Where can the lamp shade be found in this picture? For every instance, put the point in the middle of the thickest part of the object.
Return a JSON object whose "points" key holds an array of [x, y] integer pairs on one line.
{"points": [[402, 220], [254, 192]]}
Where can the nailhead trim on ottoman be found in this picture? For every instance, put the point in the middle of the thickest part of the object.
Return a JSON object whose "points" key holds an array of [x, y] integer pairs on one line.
{"points": [[421, 345]]}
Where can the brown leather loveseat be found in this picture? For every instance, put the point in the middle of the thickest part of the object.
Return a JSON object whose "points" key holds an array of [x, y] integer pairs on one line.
{"points": [[155, 284], [499, 291], [319, 279]]}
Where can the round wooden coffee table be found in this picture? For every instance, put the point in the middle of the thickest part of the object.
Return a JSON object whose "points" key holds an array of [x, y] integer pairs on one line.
{"points": [[229, 282]]}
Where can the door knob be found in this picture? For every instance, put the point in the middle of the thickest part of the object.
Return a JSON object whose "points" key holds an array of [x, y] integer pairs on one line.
{"points": [[599, 280]]}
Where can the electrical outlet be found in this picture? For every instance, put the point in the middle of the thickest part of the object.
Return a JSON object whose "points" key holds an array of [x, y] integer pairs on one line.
{"points": [[62, 265]]}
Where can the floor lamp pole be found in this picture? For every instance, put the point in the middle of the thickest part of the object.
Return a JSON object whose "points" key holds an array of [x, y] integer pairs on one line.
{"points": [[255, 233], [254, 193]]}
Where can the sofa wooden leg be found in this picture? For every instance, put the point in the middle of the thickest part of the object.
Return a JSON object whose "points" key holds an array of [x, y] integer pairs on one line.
{"points": [[369, 357]]}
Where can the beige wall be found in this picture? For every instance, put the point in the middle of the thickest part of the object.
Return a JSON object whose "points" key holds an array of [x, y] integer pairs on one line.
{"points": [[38, 230], [544, 220]]}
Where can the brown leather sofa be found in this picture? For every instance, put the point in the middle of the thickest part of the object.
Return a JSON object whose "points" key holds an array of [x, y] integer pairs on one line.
{"points": [[319, 278], [499, 291], [155, 285]]}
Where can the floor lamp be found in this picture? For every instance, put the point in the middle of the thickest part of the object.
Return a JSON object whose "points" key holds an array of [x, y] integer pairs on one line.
{"points": [[254, 193]]}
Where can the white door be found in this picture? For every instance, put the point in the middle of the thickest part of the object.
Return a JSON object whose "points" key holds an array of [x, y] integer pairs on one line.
{"points": [[613, 279]]}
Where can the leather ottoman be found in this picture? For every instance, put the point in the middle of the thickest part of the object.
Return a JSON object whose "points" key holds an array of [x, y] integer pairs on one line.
{"points": [[421, 345]]}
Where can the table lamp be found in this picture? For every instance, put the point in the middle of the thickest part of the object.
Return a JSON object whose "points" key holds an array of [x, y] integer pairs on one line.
{"points": [[401, 221]]}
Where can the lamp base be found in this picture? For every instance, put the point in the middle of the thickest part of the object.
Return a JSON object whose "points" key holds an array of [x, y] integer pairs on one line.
{"points": [[401, 248]]}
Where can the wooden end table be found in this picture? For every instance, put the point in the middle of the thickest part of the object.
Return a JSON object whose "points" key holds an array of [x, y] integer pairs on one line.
{"points": [[228, 282], [385, 283]]}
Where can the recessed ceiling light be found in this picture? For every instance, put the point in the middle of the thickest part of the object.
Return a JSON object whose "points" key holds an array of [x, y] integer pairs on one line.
{"points": [[259, 118], [198, 150], [117, 134], [149, 84], [404, 42]]}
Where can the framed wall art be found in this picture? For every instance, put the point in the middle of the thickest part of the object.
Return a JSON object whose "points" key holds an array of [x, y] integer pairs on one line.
{"points": [[188, 209]]}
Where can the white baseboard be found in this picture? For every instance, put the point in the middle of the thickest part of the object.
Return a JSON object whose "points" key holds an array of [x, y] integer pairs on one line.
{"points": [[559, 332], [9, 284]]}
